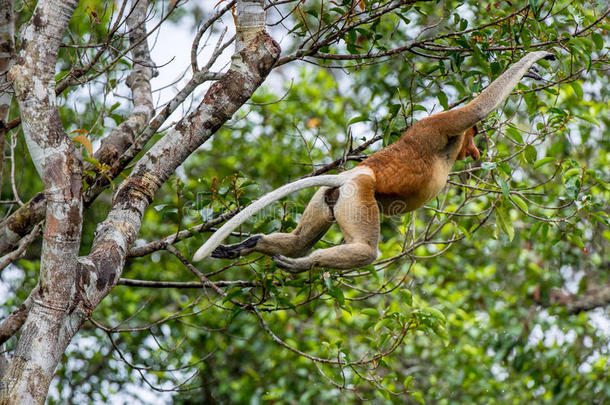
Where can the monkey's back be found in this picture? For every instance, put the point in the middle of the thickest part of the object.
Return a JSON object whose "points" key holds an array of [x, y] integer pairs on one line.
{"points": [[407, 175]]}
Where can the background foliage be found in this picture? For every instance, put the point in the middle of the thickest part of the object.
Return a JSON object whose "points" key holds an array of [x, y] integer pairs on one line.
{"points": [[472, 298]]}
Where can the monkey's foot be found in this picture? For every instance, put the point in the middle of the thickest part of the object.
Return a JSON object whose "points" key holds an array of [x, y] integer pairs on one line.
{"points": [[291, 265], [234, 251]]}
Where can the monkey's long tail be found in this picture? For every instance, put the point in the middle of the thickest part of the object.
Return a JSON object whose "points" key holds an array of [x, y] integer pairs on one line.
{"points": [[330, 180]]}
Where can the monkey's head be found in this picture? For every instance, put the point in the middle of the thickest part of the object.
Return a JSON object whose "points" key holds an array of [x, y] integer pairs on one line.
{"points": [[468, 146]]}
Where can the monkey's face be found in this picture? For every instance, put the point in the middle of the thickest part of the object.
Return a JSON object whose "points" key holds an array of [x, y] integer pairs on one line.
{"points": [[468, 146]]}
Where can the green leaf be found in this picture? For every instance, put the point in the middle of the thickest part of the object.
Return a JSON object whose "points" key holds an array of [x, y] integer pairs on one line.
{"points": [[407, 297], [373, 271], [551, 91], [234, 293], [577, 89], [530, 154], [576, 240], [394, 108], [360, 118], [418, 397], [387, 322], [575, 171], [435, 313], [534, 230], [598, 39], [514, 134], [518, 201], [403, 17], [503, 222], [337, 294], [543, 161], [407, 382], [235, 312], [586, 44], [504, 186], [441, 332], [370, 312], [488, 165], [385, 394], [589, 118], [419, 107], [534, 6], [442, 99], [505, 168]]}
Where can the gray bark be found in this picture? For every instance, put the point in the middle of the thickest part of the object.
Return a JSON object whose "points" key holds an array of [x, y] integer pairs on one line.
{"points": [[595, 297], [43, 338], [139, 82], [119, 147], [7, 48], [71, 287]]}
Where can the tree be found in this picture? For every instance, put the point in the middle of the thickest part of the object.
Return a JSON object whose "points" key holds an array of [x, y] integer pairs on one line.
{"points": [[464, 289]]}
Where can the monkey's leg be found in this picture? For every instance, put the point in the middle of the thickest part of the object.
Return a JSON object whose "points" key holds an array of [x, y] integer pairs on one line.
{"points": [[314, 223], [357, 214]]}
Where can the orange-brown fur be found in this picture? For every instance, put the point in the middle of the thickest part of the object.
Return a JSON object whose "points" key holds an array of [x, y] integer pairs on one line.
{"points": [[399, 178], [414, 169]]}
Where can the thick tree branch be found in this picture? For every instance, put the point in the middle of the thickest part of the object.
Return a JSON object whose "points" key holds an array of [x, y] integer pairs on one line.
{"points": [[7, 49], [52, 151], [60, 168], [180, 284], [139, 82], [13, 323], [117, 150], [23, 245], [115, 235], [594, 297], [20, 223], [126, 155]]}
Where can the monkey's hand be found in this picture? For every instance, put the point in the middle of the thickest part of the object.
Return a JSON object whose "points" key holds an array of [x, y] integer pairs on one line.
{"points": [[533, 71], [236, 250], [297, 265], [225, 252]]}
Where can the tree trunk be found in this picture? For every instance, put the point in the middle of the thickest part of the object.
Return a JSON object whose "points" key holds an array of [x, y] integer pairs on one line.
{"points": [[70, 287]]}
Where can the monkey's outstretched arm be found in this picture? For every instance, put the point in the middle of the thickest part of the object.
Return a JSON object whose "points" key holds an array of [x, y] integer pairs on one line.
{"points": [[224, 231], [461, 119]]}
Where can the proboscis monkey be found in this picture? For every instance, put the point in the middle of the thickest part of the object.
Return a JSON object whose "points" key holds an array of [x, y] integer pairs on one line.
{"points": [[399, 178]]}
